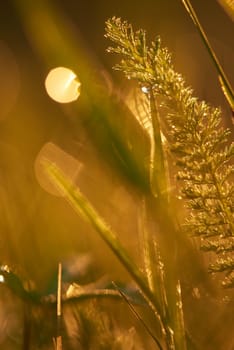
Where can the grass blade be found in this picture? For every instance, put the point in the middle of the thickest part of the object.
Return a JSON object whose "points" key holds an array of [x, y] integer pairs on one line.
{"points": [[82, 206]]}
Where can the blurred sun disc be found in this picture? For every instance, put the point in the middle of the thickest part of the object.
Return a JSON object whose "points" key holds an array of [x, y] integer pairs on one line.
{"points": [[62, 85]]}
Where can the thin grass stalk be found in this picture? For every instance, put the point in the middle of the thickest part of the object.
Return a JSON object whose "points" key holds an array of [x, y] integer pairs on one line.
{"points": [[160, 275], [225, 84], [59, 345], [147, 252], [159, 186], [153, 266], [180, 317], [158, 178], [163, 230], [138, 316]]}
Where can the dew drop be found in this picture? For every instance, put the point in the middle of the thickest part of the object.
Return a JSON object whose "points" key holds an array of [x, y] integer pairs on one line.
{"points": [[145, 89]]}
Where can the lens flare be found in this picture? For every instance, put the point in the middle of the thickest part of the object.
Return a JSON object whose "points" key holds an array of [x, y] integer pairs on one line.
{"points": [[70, 166], [62, 85]]}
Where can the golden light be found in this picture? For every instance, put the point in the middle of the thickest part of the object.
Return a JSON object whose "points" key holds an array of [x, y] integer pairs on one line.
{"points": [[62, 85]]}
